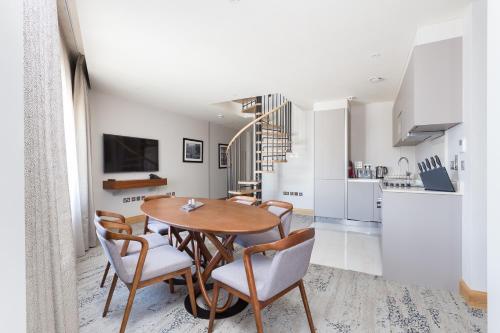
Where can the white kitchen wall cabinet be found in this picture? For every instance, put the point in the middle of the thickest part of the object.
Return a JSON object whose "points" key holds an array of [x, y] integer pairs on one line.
{"points": [[430, 97], [330, 163]]}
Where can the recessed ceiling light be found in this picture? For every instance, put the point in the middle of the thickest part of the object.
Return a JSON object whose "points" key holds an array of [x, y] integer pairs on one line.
{"points": [[220, 116], [376, 79]]}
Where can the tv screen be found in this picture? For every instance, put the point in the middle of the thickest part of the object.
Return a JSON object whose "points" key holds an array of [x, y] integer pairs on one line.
{"points": [[127, 154]]}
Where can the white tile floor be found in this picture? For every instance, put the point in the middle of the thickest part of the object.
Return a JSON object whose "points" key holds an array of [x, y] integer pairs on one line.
{"points": [[348, 245]]}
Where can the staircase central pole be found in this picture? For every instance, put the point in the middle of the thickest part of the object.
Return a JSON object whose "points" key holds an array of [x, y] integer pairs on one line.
{"points": [[257, 141]]}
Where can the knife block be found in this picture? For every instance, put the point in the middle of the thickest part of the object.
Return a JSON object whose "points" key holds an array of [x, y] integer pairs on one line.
{"points": [[437, 179]]}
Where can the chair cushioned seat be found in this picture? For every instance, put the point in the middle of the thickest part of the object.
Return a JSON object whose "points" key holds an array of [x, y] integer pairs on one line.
{"points": [[234, 275], [154, 240], [159, 261], [157, 227]]}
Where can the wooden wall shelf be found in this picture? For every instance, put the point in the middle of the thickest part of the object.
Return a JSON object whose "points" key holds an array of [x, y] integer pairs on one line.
{"points": [[132, 183]]}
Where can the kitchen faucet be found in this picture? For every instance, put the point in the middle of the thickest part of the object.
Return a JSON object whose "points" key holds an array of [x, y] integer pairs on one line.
{"points": [[408, 173]]}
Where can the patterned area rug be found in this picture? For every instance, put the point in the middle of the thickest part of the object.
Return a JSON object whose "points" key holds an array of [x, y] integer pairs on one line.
{"points": [[341, 301]]}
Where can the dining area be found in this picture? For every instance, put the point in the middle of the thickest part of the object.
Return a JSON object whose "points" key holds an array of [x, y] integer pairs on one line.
{"points": [[219, 259]]}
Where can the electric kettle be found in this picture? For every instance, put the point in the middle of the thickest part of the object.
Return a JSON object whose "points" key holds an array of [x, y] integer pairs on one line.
{"points": [[381, 171]]}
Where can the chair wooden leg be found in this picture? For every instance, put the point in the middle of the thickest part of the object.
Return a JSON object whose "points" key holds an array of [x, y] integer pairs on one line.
{"points": [[110, 295], [257, 314], [105, 274], [213, 307], [192, 297], [306, 305], [146, 225], [128, 308], [171, 285]]}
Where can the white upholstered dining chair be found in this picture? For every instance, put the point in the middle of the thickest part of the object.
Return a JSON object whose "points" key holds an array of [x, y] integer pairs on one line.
{"points": [[280, 208], [154, 240], [243, 199], [152, 225], [147, 267], [260, 280]]}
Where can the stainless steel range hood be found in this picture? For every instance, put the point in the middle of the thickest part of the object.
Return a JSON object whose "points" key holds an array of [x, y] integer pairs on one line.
{"points": [[415, 137]]}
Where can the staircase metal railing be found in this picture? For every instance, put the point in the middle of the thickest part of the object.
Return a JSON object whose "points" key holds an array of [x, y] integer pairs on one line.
{"points": [[260, 144]]}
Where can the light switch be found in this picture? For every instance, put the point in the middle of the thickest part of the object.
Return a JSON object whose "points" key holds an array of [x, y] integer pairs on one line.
{"points": [[462, 145]]}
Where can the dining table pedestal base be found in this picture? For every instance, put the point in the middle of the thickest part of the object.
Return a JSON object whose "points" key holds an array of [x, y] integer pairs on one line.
{"points": [[204, 313]]}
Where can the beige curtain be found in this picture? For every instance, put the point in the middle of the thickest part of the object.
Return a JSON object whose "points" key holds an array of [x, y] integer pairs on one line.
{"points": [[51, 294], [84, 157]]}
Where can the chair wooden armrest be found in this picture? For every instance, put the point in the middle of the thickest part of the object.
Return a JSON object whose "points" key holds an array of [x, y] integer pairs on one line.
{"points": [[294, 238], [104, 214], [276, 203], [126, 237], [142, 255], [116, 225]]}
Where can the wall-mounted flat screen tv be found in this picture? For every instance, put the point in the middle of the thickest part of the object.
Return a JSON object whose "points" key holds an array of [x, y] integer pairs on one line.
{"points": [[128, 154]]}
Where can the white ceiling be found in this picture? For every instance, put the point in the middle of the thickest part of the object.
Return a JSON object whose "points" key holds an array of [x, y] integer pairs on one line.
{"points": [[190, 55]]}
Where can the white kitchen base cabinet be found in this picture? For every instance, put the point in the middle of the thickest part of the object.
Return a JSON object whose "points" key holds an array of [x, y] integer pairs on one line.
{"points": [[329, 198], [362, 197], [421, 238]]}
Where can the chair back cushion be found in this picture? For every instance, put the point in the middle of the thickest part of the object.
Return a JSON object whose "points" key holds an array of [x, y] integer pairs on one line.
{"points": [[112, 250], [286, 220], [288, 267]]}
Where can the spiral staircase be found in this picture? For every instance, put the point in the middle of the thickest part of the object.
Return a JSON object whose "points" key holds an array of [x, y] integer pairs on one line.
{"points": [[259, 145]]}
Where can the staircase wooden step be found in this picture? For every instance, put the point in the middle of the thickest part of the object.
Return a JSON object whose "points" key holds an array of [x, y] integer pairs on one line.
{"points": [[272, 151], [249, 182], [251, 109], [272, 161], [271, 127], [282, 141], [264, 171], [244, 191], [275, 134], [245, 100]]}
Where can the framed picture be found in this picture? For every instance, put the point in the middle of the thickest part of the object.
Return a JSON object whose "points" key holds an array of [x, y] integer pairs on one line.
{"points": [[192, 151], [222, 156]]}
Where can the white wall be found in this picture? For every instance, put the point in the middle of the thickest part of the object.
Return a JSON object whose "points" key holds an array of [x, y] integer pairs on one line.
{"points": [[218, 177], [12, 251], [115, 115], [371, 137], [297, 175], [474, 95], [493, 152], [430, 148]]}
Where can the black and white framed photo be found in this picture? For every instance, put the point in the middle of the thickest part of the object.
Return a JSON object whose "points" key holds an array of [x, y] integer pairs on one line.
{"points": [[192, 151], [222, 156]]}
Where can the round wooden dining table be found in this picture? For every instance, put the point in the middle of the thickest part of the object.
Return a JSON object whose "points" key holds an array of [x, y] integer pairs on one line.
{"points": [[218, 221]]}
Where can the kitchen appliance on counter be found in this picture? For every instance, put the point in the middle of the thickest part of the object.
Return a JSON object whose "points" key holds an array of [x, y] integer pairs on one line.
{"points": [[358, 169], [434, 175], [364, 172], [398, 182], [381, 171]]}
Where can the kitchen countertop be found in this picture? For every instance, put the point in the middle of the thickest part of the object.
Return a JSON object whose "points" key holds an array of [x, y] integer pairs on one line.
{"points": [[364, 180], [417, 190]]}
